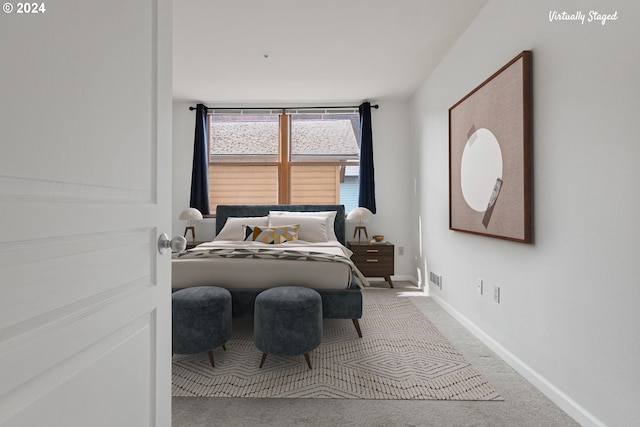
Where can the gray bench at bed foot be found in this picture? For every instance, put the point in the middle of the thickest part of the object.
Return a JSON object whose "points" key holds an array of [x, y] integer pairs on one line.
{"points": [[287, 322], [336, 304], [201, 318]]}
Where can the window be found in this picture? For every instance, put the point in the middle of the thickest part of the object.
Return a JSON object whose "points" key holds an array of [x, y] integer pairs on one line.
{"points": [[288, 157]]}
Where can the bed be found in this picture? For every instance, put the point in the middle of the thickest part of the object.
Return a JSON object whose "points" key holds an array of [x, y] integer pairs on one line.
{"points": [[242, 260]]}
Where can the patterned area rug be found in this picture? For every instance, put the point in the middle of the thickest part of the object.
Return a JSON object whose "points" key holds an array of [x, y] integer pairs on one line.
{"points": [[401, 356]]}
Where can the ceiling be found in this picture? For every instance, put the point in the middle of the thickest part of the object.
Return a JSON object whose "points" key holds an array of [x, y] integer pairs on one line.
{"points": [[331, 51]]}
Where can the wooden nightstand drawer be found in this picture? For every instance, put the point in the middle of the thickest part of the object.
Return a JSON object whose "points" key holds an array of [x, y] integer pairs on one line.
{"points": [[374, 260], [373, 250], [370, 270]]}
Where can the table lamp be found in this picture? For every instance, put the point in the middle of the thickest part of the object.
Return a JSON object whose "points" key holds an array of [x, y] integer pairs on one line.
{"points": [[362, 215], [191, 215]]}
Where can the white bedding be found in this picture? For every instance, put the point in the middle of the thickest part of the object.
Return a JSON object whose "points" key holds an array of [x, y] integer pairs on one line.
{"points": [[257, 273]]}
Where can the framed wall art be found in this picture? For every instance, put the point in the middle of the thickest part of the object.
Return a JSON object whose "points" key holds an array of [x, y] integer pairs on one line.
{"points": [[490, 158]]}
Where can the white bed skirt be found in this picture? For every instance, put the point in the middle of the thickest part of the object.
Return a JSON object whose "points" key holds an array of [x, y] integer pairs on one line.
{"points": [[259, 273], [256, 273]]}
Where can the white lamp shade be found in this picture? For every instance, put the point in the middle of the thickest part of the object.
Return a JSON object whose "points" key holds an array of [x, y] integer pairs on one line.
{"points": [[191, 214], [360, 214]]}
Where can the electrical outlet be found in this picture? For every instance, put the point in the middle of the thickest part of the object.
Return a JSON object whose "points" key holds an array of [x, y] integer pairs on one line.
{"points": [[479, 286], [400, 250], [496, 294]]}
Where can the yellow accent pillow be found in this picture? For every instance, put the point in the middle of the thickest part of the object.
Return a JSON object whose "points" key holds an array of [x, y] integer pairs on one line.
{"points": [[272, 235]]}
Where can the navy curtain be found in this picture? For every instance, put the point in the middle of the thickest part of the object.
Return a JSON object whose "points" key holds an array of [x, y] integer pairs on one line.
{"points": [[200, 171], [367, 194]]}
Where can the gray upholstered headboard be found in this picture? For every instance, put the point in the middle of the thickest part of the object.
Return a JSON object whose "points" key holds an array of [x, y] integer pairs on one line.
{"points": [[225, 211]]}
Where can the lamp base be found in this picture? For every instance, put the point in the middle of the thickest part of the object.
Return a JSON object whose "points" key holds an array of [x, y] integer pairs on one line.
{"points": [[358, 230], [193, 232]]}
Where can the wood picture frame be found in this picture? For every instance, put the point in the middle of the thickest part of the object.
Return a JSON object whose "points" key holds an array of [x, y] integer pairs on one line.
{"points": [[490, 156]]}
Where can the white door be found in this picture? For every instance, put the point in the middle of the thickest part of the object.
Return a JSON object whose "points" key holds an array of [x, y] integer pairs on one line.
{"points": [[85, 161]]}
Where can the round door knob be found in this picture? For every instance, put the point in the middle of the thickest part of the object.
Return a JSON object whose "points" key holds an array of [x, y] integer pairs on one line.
{"points": [[177, 244]]}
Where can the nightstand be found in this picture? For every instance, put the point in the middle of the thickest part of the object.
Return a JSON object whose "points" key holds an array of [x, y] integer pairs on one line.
{"points": [[374, 259]]}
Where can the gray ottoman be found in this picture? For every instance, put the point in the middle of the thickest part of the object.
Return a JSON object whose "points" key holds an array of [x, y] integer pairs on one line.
{"points": [[201, 319], [287, 322]]}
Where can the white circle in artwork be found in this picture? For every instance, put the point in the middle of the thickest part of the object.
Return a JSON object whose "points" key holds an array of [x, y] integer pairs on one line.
{"points": [[481, 166]]}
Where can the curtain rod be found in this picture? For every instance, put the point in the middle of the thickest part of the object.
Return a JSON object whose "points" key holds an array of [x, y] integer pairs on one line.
{"points": [[284, 108]]}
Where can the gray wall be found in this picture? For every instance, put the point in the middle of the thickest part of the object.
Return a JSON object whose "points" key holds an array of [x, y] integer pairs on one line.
{"points": [[568, 318]]}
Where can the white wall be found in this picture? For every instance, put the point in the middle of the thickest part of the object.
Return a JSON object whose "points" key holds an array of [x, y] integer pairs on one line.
{"points": [[391, 140], [568, 317], [391, 131]]}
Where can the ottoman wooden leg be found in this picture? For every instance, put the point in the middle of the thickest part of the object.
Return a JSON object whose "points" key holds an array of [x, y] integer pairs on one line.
{"points": [[211, 358], [356, 323], [306, 357], [264, 357]]}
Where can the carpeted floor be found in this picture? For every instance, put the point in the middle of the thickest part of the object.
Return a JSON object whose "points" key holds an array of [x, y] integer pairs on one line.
{"points": [[402, 355], [523, 404]]}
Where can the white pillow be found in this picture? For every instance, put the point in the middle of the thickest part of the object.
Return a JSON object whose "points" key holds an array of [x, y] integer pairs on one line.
{"points": [[232, 229], [330, 215], [312, 228]]}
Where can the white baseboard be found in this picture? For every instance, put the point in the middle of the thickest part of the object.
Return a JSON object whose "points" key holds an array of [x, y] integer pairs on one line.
{"points": [[570, 406]]}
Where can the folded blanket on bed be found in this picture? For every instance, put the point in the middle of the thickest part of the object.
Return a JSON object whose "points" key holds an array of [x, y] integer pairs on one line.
{"points": [[269, 253]]}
